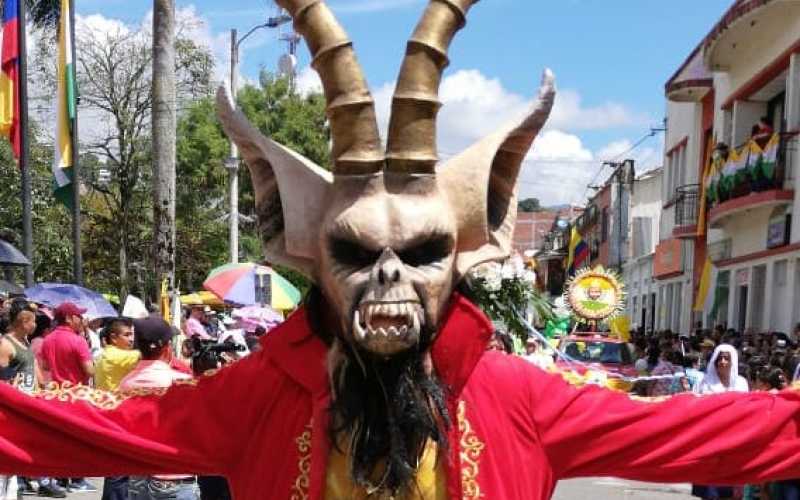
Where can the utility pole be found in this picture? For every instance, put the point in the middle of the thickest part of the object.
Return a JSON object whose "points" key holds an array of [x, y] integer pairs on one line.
{"points": [[232, 162], [77, 254], [24, 156]]}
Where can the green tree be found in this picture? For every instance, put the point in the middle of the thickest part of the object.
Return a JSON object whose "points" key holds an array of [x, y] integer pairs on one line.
{"points": [[529, 205], [201, 194], [297, 121], [114, 70], [51, 222]]}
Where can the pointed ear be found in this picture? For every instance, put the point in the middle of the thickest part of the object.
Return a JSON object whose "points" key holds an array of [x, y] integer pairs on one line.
{"points": [[481, 184], [290, 191]]}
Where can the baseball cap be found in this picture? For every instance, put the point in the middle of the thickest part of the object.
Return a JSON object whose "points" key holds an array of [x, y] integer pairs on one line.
{"points": [[708, 343], [67, 309], [151, 330]]}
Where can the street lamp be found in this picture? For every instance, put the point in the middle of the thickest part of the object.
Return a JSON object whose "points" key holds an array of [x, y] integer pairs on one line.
{"points": [[232, 163]]}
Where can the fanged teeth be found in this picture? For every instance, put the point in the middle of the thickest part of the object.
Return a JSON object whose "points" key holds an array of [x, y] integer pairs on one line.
{"points": [[360, 331], [409, 316]]}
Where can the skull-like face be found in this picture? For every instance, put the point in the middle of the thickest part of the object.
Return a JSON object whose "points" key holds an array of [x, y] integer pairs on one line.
{"points": [[388, 275], [386, 234]]}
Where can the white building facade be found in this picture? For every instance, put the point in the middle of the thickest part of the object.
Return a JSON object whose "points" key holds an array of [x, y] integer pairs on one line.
{"points": [[747, 68], [645, 218]]}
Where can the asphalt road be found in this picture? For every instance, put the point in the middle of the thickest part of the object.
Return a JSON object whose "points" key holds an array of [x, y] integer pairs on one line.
{"points": [[576, 489], [619, 489]]}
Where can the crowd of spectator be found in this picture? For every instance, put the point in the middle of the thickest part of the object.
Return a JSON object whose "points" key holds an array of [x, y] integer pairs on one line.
{"points": [[39, 346], [765, 361]]}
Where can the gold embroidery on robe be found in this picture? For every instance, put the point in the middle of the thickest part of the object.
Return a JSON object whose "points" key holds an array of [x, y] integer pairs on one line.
{"points": [[105, 400], [471, 450], [301, 484]]}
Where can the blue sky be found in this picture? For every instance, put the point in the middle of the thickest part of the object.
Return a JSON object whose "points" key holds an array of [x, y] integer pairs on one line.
{"points": [[611, 59]]}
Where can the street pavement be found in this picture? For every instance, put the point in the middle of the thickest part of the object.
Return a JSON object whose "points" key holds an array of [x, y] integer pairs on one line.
{"points": [[620, 489], [575, 489]]}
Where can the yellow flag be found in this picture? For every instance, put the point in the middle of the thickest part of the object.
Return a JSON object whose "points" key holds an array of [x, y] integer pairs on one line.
{"points": [[708, 171], [165, 312]]}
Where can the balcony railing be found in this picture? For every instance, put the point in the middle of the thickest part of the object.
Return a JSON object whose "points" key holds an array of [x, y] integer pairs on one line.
{"points": [[747, 172], [686, 205]]}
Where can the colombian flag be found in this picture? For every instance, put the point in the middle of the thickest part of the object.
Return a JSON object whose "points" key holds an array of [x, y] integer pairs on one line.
{"points": [[578, 251], [9, 77], [65, 110]]}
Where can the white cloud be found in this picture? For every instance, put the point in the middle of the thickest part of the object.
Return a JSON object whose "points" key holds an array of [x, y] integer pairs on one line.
{"points": [[560, 165], [569, 113], [307, 81]]}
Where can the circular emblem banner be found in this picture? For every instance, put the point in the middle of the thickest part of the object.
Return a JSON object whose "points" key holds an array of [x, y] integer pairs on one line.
{"points": [[595, 294]]}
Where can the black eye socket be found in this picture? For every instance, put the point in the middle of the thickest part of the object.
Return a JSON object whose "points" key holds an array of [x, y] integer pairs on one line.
{"points": [[352, 254], [428, 252]]}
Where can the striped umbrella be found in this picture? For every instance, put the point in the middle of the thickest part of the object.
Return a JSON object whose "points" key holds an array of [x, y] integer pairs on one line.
{"points": [[249, 284]]}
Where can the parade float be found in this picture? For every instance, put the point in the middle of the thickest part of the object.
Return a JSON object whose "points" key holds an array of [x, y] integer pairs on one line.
{"points": [[596, 350]]}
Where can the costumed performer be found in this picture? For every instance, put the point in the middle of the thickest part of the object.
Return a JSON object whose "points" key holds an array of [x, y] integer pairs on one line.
{"points": [[380, 386]]}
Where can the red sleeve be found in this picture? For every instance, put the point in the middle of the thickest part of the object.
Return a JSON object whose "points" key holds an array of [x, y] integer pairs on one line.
{"points": [[729, 438], [189, 429]]}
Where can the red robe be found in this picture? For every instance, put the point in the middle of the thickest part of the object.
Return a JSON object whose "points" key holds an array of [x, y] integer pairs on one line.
{"points": [[518, 430]]}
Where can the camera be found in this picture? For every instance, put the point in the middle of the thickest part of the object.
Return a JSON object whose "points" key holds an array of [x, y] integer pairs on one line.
{"points": [[208, 354]]}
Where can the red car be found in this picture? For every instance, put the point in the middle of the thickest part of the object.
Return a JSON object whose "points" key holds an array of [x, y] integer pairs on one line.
{"points": [[595, 350]]}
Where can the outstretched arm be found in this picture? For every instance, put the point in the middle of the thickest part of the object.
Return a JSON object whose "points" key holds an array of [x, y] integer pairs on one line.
{"points": [[187, 429], [729, 438]]}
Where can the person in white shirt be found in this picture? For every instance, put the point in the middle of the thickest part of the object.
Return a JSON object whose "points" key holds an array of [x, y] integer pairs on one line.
{"points": [[722, 374], [152, 337]]}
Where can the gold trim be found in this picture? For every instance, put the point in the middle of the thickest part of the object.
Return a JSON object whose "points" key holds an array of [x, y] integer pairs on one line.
{"points": [[67, 392], [471, 450], [105, 400], [303, 481]]}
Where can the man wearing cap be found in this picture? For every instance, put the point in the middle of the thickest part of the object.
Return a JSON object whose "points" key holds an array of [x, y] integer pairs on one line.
{"points": [[65, 352], [152, 336]]}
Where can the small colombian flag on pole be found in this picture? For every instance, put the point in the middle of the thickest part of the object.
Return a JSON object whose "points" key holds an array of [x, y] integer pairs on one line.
{"points": [[65, 110], [9, 77]]}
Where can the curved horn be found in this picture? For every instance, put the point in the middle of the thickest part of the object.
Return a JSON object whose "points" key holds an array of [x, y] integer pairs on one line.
{"points": [[351, 109], [411, 146]]}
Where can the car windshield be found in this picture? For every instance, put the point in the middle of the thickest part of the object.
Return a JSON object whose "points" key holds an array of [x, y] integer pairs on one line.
{"points": [[594, 351]]}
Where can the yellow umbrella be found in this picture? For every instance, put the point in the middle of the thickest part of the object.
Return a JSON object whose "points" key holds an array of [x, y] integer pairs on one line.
{"points": [[201, 298]]}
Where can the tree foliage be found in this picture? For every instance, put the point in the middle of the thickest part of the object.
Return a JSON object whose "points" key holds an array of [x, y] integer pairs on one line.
{"points": [[297, 121], [529, 205], [51, 222], [114, 76]]}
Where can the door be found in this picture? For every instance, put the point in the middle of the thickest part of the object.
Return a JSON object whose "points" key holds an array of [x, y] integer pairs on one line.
{"points": [[741, 306]]}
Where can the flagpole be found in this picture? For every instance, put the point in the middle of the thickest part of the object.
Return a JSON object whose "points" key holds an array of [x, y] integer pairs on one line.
{"points": [[24, 164], [77, 254]]}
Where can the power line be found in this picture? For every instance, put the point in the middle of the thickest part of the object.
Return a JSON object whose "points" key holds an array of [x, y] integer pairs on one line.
{"points": [[606, 163]]}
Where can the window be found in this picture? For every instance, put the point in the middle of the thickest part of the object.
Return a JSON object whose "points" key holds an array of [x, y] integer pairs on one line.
{"points": [[604, 225], [642, 236], [675, 171]]}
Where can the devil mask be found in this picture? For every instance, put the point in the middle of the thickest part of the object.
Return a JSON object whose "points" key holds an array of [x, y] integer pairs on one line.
{"points": [[386, 235]]}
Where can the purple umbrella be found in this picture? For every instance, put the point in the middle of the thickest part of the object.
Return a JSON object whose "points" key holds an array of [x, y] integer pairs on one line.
{"points": [[251, 317], [55, 294]]}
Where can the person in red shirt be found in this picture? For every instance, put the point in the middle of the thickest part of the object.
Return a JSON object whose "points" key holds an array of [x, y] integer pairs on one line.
{"points": [[65, 353]]}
